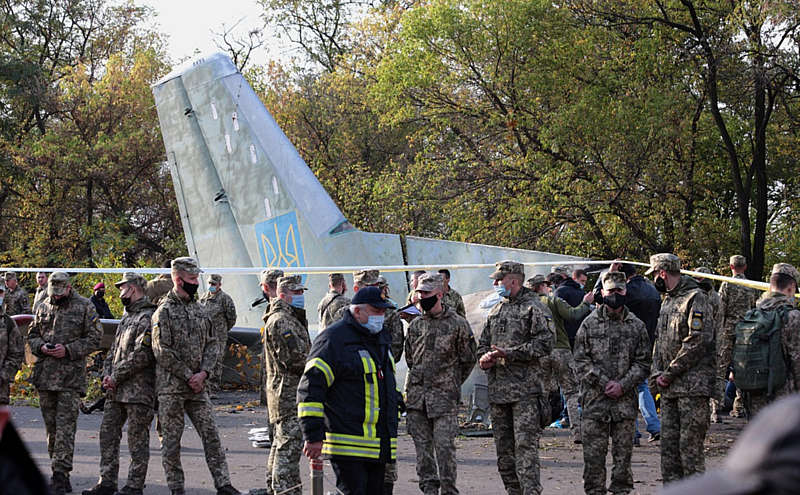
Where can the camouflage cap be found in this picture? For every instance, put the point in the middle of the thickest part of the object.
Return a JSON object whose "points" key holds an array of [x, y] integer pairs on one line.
{"points": [[363, 278], [738, 260], [215, 278], [430, 282], [186, 264], [57, 283], [382, 282], [270, 276], [335, 278], [786, 269], [131, 278], [664, 261], [613, 280], [503, 268], [703, 269], [292, 282], [562, 270], [10, 275], [535, 280]]}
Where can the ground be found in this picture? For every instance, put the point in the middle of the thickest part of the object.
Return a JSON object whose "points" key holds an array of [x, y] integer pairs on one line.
{"points": [[562, 461]]}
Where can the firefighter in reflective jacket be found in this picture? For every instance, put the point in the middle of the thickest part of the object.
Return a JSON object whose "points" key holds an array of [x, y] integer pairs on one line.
{"points": [[348, 399]]}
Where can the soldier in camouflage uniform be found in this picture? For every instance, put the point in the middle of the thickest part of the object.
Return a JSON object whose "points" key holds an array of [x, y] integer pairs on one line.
{"points": [[783, 283], [514, 339], [440, 353], [186, 351], [561, 359], [451, 297], [716, 305], [12, 350], [158, 288], [333, 301], [16, 299], [129, 378], [612, 357], [287, 344], [41, 290], [736, 301], [64, 331], [414, 278], [222, 312], [683, 368]]}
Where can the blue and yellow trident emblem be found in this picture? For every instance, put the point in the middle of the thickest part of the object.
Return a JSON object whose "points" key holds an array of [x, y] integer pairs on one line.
{"points": [[279, 241]]}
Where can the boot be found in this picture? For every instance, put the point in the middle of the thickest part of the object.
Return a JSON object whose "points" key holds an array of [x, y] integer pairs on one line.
{"points": [[126, 490], [58, 483], [388, 488], [228, 490], [101, 489]]}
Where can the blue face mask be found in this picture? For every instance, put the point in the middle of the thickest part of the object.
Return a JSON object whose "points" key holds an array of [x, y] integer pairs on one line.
{"points": [[299, 301], [501, 290], [374, 324], [1, 300], [212, 288]]}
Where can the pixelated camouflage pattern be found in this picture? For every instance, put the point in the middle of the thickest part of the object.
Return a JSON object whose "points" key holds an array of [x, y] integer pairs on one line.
{"points": [[329, 306], [611, 347], [684, 350], [222, 311], [440, 354], [130, 361], [435, 446], [171, 411], [158, 288], [284, 456], [453, 299], [39, 297], [16, 302], [12, 352], [735, 302], [516, 429], [595, 435], [519, 326], [184, 344], [790, 340], [138, 417], [76, 326], [684, 423], [60, 414], [287, 344]]}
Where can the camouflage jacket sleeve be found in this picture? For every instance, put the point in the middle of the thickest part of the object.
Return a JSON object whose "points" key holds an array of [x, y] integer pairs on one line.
{"points": [[584, 366], [163, 342], [640, 366], [35, 340], [210, 351], [540, 339], [467, 351], [568, 313], [142, 356], [791, 348], [230, 312], [398, 337], [288, 347], [108, 362], [693, 346], [484, 341], [15, 352], [90, 336]]}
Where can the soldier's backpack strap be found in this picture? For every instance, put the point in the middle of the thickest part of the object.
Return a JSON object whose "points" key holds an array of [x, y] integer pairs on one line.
{"points": [[325, 308]]}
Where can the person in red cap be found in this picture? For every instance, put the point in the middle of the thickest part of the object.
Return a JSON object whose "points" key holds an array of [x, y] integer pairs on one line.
{"points": [[99, 302]]}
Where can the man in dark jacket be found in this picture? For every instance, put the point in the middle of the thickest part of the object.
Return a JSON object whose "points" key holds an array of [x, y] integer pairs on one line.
{"points": [[347, 400], [572, 292], [100, 304], [644, 301]]}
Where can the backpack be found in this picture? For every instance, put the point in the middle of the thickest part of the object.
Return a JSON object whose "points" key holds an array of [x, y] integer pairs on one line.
{"points": [[758, 361]]}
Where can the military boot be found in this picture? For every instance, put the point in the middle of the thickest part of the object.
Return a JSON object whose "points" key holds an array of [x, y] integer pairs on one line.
{"points": [[388, 489], [101, 489], [58, 483], [126, 490], [228, 490]]}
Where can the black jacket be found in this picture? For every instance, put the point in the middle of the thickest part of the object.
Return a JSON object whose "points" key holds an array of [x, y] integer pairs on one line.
{"points": [[644, 300], [348, 397], [103, 311], [571, 292]]}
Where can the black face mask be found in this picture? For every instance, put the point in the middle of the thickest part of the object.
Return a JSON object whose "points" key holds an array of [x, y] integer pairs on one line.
{"points": [[101, 295], [126, 301], [614, 301], [427, 303], [62, 300], [190, 289], [266, 295], [660, 284]]}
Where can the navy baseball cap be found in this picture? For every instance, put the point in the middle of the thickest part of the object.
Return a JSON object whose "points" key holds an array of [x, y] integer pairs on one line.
{"points": [[371, 295]]}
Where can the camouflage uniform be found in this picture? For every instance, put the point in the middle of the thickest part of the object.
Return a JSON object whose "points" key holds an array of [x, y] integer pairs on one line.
{"points": [[184, 344], [16, 301], [41, 295], [736, 300], [610, 346], [519, 325], [683, 354], [12, 352], [790, 340], [158, 288], [267, 277], [329, 306], [222, 312], [453, 299], [61, 382], [287, 344], [131, 365], [440, 353]]}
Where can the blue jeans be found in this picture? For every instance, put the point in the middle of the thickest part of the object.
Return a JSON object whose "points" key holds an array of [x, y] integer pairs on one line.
{"points": [[647, 406]]}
